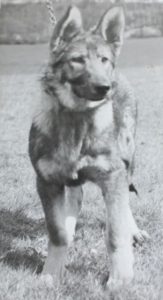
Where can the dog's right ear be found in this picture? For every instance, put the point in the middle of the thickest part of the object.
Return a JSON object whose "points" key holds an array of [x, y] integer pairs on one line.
{"points": [[68, 27]]}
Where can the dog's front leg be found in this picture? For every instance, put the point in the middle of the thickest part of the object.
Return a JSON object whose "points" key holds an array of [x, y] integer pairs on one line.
{"points": [[119, 232], [61, 207]]}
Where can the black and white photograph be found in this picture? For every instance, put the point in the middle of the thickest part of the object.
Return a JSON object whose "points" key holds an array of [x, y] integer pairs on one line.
{"points": [[81, 150]]}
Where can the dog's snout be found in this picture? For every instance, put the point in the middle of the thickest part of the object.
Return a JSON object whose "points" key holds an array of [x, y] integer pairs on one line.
{"points": [[102, 89]]}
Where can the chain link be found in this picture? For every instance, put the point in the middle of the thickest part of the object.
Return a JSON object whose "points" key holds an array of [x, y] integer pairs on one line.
{"points": [[50, 8]]}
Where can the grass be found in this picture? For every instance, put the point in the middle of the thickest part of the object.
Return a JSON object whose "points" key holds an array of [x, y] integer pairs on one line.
{"points": [[23, 238]]}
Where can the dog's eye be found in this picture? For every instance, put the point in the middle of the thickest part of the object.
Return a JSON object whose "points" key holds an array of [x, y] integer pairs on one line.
{"points": [[79, 59], [104, 59]]}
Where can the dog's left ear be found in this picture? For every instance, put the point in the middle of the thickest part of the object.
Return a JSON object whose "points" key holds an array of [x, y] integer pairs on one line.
{"points": [[112, 27]]}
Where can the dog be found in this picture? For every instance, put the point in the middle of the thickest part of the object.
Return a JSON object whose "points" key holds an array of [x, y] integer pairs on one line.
{"points": [[84, 130]]}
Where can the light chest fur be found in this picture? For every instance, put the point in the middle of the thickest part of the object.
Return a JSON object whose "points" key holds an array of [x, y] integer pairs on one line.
{"points": [[78, 133], [99, 138], [103, 117]]}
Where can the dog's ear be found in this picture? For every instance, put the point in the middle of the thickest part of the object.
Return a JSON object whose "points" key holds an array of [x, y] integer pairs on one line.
{"points": [[68, 27], [112, 27]]}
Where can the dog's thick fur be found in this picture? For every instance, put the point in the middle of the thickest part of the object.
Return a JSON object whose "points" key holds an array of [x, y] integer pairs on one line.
{"points": [[84, 130]]}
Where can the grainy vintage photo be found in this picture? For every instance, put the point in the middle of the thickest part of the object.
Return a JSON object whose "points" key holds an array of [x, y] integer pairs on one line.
{"points": [[81, 163]]}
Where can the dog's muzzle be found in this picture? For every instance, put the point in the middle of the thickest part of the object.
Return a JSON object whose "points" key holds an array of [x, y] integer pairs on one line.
{"points": [[100, 92]]}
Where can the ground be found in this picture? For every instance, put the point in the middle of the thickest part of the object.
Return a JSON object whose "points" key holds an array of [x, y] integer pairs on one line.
{"points": [[22, 229]]}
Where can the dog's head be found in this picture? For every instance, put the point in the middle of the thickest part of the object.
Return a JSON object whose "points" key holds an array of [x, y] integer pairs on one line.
{"points": [[82, 63]]}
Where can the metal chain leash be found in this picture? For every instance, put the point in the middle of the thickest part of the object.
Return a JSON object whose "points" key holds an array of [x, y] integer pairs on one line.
{"points": [[52, 17]]}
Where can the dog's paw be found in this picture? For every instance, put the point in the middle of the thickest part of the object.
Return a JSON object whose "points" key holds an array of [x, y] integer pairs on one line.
{"points": [[140, 237], [121, 279], [47, 280], [121, 273]]}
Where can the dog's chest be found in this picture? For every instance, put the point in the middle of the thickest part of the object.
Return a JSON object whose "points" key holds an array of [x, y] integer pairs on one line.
{"points": [[103, 118], [100, 132], [87, 133]]}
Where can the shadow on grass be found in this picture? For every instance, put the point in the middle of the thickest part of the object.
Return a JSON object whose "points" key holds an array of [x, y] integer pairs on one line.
{"points": [[18, 225], [28, 258]]}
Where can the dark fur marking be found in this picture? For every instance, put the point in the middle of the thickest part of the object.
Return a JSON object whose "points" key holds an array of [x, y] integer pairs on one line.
{"points": [[132, 188], [39, 144], [127, 164]]}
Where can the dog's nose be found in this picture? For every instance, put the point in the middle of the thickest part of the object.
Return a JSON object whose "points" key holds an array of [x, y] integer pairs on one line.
{"points": [[102, 89]]}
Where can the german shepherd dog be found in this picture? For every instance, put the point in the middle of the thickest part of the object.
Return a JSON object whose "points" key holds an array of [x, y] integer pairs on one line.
{"points": [[84, 130]]}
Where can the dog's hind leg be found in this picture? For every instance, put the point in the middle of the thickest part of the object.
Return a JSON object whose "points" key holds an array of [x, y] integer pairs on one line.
{"points": [[61, 208]]}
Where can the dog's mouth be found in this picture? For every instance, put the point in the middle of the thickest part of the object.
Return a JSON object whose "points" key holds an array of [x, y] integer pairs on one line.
{"points": [[96, 98]]}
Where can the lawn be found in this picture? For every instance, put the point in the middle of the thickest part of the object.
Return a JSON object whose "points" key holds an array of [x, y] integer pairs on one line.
{"points": [[23, 237]]}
